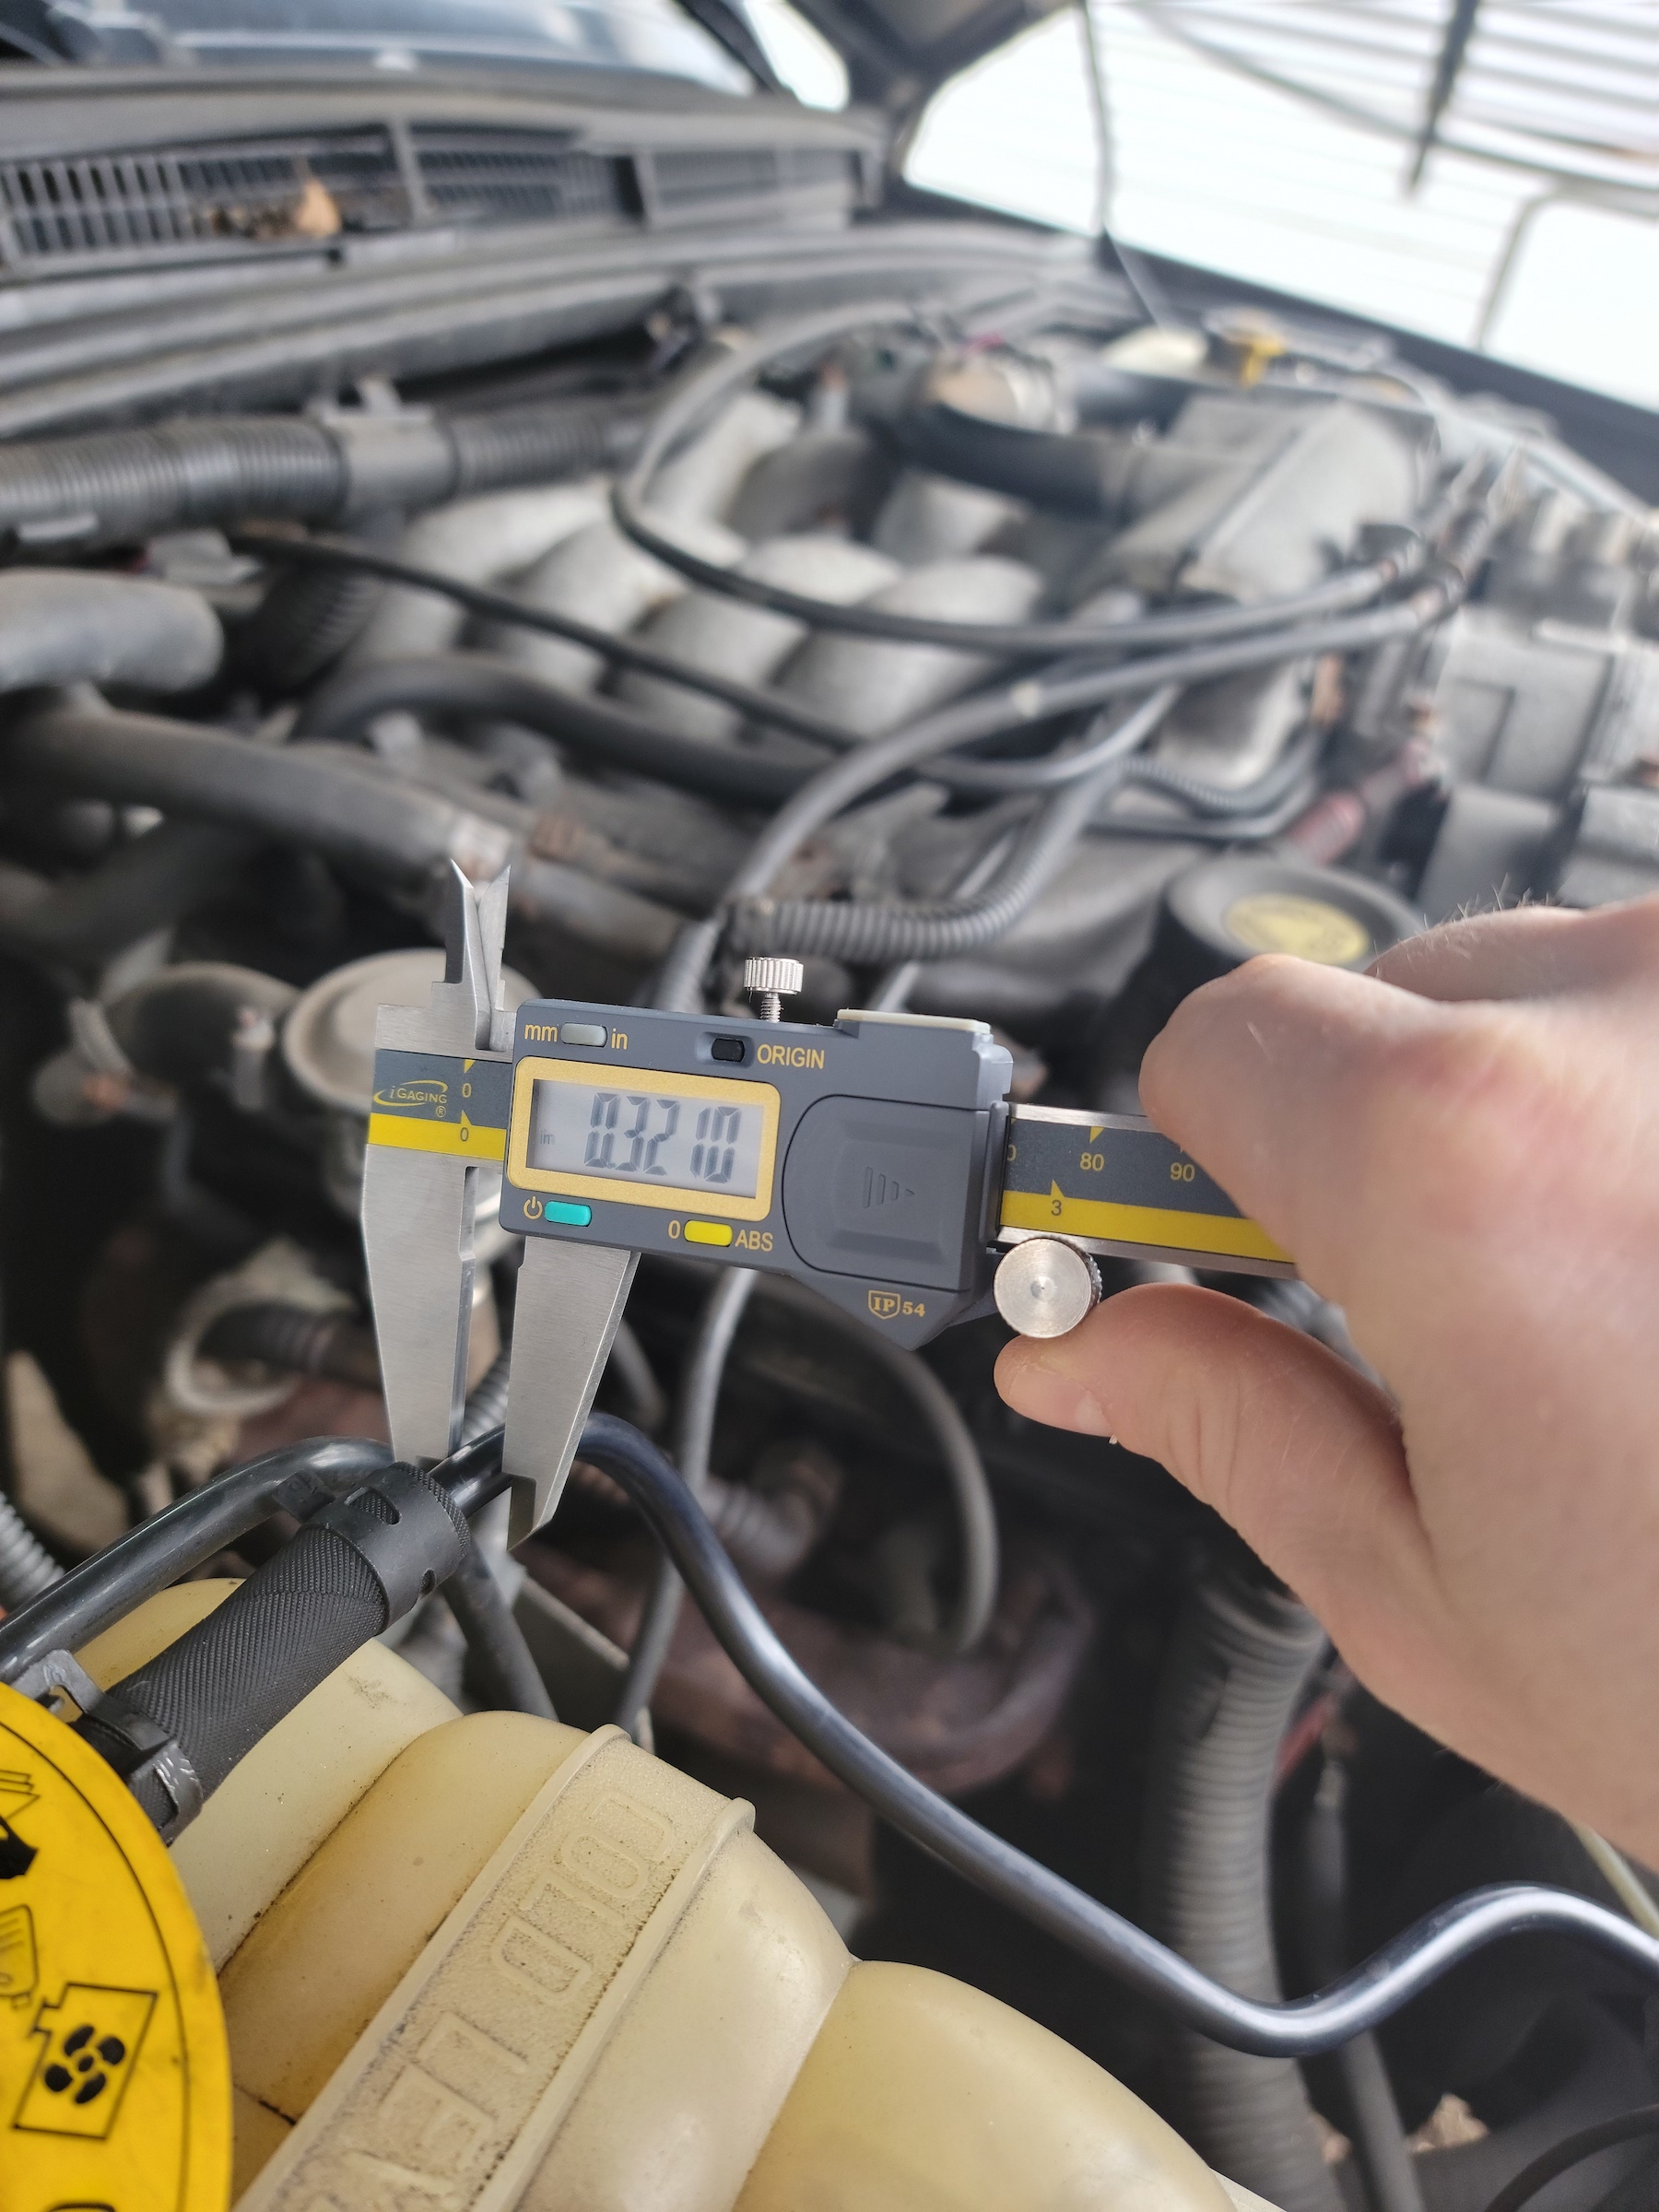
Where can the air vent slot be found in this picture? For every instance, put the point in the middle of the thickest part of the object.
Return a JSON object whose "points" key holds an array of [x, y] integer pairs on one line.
{"points": [[518, 177], [98, 208], [688, 182]]}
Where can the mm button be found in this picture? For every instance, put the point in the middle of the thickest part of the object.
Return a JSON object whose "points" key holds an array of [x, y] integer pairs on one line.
{"points": [[573, 1216], [708, 1232], [583, 1033]]}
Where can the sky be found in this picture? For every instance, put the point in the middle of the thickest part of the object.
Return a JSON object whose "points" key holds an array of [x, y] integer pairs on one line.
{"points": [[1213, 168]]}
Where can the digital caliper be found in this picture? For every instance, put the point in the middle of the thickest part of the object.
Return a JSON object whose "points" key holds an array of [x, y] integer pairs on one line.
{"points": [[879, 1160]]}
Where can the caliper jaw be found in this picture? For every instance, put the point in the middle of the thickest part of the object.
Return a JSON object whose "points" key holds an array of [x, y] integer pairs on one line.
{"points": [[418, 1206]]}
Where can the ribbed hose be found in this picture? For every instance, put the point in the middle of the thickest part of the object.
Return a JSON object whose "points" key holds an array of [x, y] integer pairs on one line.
{"points": [[177, 474], [25, 1568], [297, 1339], [305, 621], [129, 483], [1240, 1656], [868, 935]]}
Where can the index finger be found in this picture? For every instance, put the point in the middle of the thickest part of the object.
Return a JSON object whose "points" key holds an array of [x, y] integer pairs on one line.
{"points": [[1340, 1110]]}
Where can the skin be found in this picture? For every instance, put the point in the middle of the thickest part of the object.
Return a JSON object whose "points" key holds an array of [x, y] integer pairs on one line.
{"points": [[1462, 1148]]}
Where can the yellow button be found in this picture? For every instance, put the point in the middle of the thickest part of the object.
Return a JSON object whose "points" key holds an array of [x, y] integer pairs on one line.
{"points": [[708, 1232]]}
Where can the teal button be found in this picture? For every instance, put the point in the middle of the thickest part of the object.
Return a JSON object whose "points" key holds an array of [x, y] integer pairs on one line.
{"points": [[574, 1216]]}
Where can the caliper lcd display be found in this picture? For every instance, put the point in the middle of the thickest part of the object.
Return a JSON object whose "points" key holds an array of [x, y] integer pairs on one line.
{"points": [[650, 1136]]}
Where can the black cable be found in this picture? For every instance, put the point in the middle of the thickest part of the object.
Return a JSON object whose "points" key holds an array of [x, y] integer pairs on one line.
{"points": [[104, 1589], [698, 397], [873, 933], [695, 1401], [1624, 2127], [1363, 1998], [622, 651]]}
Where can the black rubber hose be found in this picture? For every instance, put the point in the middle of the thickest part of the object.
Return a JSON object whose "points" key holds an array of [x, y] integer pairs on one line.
{"points": [[867, 933], [112, 485], [297, 1339], [69, 626], [1625, 2127], [1361, 1999], [1236, 1670], [183, 1537], [146, 885], [478, 687], [179, 1025], [304, 622], [228, 1681], [701, 394], [335, 801]]}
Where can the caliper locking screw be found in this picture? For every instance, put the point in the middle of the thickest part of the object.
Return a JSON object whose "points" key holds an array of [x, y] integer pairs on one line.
{"points": [[770, 981]]}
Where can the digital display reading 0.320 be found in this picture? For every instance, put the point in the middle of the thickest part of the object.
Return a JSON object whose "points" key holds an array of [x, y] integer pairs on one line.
{"points": [[689, 1144]]}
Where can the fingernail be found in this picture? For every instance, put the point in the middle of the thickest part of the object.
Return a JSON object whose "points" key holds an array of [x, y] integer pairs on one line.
{"points": [[1040, 1381]]}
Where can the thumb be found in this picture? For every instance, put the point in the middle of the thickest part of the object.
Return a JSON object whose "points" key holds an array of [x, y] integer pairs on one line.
{"points": [[1300, 1453]]}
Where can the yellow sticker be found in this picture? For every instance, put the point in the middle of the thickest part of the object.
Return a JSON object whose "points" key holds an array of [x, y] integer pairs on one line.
{"points": [[1311, 928], [115, 2072]]}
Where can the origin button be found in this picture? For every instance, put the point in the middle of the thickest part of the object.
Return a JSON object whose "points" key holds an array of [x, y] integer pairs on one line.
{"points": [[708, 1232]]}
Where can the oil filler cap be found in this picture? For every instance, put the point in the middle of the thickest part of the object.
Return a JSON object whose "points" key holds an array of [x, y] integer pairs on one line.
{"points": [[1223, 912]]}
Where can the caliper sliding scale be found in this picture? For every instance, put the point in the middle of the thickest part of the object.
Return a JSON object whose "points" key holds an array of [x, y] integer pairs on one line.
{"points": [[879, 1160]]}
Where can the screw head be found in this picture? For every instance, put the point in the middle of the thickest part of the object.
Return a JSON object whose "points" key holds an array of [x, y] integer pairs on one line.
{"points": [[1044, 1287], [764, 972]]}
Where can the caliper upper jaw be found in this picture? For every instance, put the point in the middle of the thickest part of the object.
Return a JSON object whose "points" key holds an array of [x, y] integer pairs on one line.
{"points": [[418, 1207]]}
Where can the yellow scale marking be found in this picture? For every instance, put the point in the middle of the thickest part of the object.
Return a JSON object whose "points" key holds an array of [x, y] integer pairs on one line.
{"points": [[1116, 1224], [455, 1140]]}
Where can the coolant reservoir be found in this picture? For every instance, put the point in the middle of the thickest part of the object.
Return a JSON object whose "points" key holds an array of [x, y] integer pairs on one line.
{"points": [[492, 1962]]}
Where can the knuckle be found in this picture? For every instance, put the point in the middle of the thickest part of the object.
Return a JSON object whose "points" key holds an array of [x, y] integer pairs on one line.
{"points": [[1460, 1117]]}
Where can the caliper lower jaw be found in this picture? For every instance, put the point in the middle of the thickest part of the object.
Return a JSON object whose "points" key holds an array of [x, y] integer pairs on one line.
{"points": [[569, 1300]]}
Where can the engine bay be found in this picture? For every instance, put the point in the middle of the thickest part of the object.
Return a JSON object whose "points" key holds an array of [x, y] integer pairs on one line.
{"points": [[967, 646]]}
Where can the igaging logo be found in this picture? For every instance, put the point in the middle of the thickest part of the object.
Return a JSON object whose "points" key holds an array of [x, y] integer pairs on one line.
{"points": [[417, 1091]]}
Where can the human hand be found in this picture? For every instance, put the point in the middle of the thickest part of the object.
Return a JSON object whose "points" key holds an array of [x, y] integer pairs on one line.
{"points": [[1462, 1149]]}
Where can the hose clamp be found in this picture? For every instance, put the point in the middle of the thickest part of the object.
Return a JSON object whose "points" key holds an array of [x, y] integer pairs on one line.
{"points": [[406, 1530], [158, 1771]]}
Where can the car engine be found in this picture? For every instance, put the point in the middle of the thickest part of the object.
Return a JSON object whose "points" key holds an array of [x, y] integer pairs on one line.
{"points": [[855, 589]]}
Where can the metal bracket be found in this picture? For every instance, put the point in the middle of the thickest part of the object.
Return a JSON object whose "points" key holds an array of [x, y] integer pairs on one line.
{"points": [[61, 1673]]}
